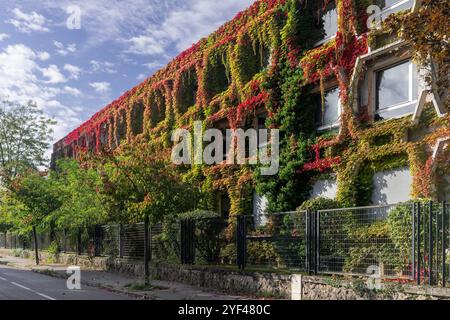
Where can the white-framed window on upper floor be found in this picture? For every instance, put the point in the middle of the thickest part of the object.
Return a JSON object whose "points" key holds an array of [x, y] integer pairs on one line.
{"points": [[329, 19], [389, 7], [396, 90], [327, 113]]}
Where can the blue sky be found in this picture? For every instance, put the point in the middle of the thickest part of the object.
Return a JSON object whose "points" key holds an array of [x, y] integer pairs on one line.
{"points": [[73, 73]]}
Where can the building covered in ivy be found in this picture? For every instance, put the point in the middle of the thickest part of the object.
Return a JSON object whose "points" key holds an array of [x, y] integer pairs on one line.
{"points": [[361, 106]]}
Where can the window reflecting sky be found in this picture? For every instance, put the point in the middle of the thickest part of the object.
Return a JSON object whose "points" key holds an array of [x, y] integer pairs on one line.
{"points": [[330, 21], [393, 86], [331, 115]]}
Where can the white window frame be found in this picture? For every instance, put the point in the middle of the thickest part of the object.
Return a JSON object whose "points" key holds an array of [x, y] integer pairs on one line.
{"points": [[394, 8], [337, 124], [390, 63], [327, 39]]}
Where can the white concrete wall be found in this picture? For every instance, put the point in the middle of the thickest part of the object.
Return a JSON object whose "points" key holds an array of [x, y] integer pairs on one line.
{"points": [[392, 186], [324, 189]]}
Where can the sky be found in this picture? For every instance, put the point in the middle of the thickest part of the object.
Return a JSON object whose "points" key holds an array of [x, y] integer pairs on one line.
{"points": [[73, 57]]}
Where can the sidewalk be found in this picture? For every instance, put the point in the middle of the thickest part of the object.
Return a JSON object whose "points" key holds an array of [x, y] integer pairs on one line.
{"points": [[159, 290]]}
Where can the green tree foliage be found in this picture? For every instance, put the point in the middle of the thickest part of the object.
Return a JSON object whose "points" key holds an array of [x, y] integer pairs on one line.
{"points": [[82, 205], [35, 198], [138, 182], [24, 136]]}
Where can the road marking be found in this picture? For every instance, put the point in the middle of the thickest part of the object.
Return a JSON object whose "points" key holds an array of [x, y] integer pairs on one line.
{"points": [[28, 289]]}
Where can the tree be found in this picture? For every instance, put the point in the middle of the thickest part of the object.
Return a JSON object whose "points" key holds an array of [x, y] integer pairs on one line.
{"points": [[142, 182], [81, 203], [24, 137], [36, 197], [139, 182]]}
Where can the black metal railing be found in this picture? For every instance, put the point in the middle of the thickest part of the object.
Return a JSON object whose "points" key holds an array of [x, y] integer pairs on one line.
{"points": [[407, 242]]}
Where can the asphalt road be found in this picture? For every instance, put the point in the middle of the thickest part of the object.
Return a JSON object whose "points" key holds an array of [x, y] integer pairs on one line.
{"points": [[27, 285]]}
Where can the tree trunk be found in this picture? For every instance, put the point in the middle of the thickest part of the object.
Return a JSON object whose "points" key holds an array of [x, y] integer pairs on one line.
{"points": [[36, 249]]}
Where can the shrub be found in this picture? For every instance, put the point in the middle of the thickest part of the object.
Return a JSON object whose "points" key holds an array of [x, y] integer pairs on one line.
{"points": [[262, 253], [319, 204], [17, 253], [53, 251]]}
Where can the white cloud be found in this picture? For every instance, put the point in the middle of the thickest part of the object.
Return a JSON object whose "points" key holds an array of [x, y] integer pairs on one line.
{"points": [[141, 77], [101, 87], [146, 45], [17, 69], [74, 71], [184, 26], [20, 80], [43, 55], [148, 27], [63, 50], [72, 91], [153, 65], [103, 66], [28, 22], [53, 74], [3, 36]]}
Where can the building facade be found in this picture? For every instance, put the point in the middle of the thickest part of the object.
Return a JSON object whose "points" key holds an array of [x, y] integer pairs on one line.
{"points": [[361, 119]]}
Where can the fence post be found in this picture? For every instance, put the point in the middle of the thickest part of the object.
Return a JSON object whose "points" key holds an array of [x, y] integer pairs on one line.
{"points": [[79, 249], [121, 241], [192, 235], [183, 241], [187, 232], [444, 244], [413, 247], [430, 243], [418, 241], [317, 237], [65, 240], [98, 237], [241, 239], [36, 252], [146, 251], [308, 242]]}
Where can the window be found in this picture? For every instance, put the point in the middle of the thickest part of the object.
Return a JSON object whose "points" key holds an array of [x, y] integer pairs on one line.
{"points": [[188, 90], [389, 7], [217, 76], [396, 90], [327, 116], [330, 23]]}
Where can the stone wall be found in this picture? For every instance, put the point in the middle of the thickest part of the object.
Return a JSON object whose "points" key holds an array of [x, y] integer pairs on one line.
{"points": [[251, 283]]}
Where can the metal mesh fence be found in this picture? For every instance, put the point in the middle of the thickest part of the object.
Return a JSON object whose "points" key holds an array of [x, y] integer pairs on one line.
{"points": [[165, 242], [434, 256], [111, 243], [2, 240], [133, 240], [404, 241], [278, 241], [215, 241], [366, 241]]}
